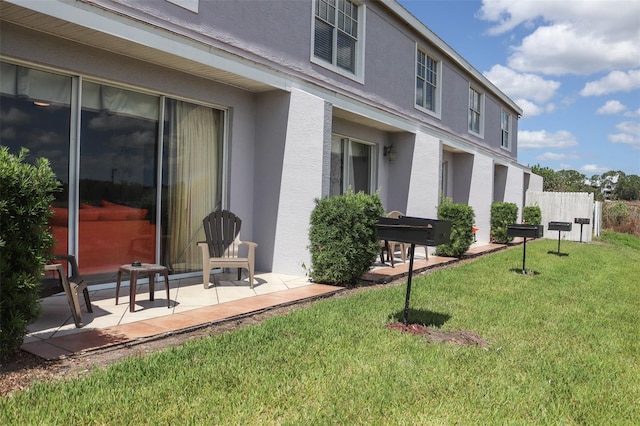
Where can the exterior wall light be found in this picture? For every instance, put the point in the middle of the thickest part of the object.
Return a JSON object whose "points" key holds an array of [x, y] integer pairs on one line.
{"points": [[390, 153]]}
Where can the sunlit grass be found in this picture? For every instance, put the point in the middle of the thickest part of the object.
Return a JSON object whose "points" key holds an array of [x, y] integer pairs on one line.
{"points": [[563, 349]]}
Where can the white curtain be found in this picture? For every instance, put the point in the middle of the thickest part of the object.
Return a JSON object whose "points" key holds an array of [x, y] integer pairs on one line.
{"points": [[34, 84], [194, 180]]}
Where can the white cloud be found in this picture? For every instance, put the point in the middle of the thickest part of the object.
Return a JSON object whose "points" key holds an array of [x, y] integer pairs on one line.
{"points": [[522, 85], [611, 107], [635, 113], [567, 37], [529, 109], [543, 139], [615, 81], [629, 134], [554, 156], [594, 169]]}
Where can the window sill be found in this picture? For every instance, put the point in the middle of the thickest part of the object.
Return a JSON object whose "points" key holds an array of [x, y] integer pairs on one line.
{"points": [[358, 77]]}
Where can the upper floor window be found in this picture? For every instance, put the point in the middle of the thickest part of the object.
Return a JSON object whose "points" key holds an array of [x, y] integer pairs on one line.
{"points": [[505, 121], [427, 88], [337, 25], [475, 111]]}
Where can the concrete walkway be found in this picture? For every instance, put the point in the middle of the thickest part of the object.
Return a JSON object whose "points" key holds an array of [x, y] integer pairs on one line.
{"points": [[54, 335]]}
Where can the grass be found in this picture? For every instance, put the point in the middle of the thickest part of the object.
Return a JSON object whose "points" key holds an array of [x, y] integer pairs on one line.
{"points": [[563, 349]]}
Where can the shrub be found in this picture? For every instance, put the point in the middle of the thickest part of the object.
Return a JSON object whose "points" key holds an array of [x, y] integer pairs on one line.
{"points": [[502, 215], [25, 242], [532, 215], [461, 217], [343, 237], [622, 216], [615, 213]]}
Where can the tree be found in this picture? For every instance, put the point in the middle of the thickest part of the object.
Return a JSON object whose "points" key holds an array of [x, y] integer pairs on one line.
{"points": [[627, 188], [550, 181], [563, 180]]}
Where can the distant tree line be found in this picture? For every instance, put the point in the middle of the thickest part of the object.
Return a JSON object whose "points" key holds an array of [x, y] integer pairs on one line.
{"points": [[614, 185]]}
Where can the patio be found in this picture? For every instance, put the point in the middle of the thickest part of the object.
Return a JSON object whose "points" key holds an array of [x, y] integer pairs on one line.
{"points": [[54, 335]]}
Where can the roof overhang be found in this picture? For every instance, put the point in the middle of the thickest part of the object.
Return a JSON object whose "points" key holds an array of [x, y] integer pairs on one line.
{"points": [[90, 25]]}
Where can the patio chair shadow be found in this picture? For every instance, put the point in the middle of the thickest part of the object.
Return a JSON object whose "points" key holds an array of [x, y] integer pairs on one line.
{"points": [[420, 316]]}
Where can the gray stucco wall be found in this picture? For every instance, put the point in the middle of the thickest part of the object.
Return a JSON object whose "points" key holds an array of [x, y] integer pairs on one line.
{"points": [[254, 29], [480, 197], [424, 186], [301, 182]]}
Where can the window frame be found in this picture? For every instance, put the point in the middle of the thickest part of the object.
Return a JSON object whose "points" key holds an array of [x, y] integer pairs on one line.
{"points": [[505, 118], [476, 109], [358, 72], [437, 96]]}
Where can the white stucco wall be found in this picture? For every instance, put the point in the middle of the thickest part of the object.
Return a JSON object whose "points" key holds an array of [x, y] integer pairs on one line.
{"points": [[481, 194], [424, 182], [535, 182], [514, 188], [301, 182]]}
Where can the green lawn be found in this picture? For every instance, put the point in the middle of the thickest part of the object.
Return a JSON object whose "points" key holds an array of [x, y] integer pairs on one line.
{"points": [[564, 348]]}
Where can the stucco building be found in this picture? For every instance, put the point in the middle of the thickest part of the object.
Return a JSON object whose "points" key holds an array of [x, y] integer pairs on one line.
{"points": [[154, 113]]}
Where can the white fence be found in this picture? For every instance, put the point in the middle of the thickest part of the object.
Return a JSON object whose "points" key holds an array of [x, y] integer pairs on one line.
{"points": [[566, 207]]}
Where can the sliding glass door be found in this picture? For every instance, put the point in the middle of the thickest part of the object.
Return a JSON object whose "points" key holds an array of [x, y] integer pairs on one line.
{"points": [[35, 113], [352, 166], [142, 170], [117, 177]]}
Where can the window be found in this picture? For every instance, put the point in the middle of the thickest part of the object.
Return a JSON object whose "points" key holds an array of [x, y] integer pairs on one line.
{"points": [[352, 165], [506, 130], [336, 29], [475, 111], [427, 90]]}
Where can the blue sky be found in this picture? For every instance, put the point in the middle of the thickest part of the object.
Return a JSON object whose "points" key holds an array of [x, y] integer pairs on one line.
{"points": [[573, 66]]}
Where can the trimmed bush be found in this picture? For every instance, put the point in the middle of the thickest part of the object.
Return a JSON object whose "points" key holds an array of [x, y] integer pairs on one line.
{"points": [[502, 215], [461, 217], [343, 236], [25, 242], [532, 215]]}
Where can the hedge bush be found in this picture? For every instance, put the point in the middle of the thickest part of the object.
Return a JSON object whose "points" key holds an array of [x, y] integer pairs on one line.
{"points": [[532, 215], [25, 242], [502, 215], [461, 217], [343, 236]]}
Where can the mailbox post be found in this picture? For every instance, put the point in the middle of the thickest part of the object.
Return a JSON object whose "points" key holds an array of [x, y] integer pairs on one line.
{"points": [[525, 231], [581, 221], [413, 230], [559, 226]]}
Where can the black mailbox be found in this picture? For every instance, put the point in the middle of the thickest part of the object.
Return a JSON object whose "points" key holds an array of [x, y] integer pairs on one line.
{"points": [[559, 226], [414, 230], [526, 231]]}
